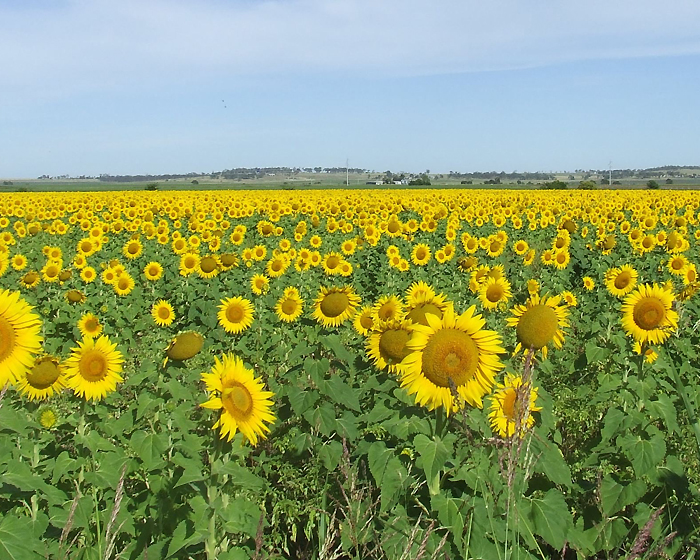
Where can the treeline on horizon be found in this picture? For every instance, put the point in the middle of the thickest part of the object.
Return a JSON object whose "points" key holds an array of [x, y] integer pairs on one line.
{"points": [[261, 172]]}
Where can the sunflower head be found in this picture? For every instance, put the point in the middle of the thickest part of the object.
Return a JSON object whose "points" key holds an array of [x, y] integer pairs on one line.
{"points": [[387, 346], [20, 337], [43, 379], [647, 314], [334, 305], [511, 407], [539, 323], [185, 345]]}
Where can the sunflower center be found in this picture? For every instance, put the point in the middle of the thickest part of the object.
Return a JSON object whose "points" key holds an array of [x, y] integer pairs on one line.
{"points": [[276, 266], [228, 259], [30, 278], [495, 246], [91, 325], [450, 354], [207, 264], [133, 248], [494, 293], [163, 312], [649, 313], [43, 374], [677, 264], [238, 401], [7, 339], [623, 280], [392, 345], [86, 246], [421, 253], [332, 262], [334, 304], [509, 403], [418, 315], [289, 306], [537, 326], [366, 321], [234, 313], [123, 283], [93, 365], [386, 311], [74, 296]]}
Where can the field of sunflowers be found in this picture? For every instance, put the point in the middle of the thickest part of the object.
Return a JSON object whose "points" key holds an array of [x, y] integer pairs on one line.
{"points": [[349, 374]]}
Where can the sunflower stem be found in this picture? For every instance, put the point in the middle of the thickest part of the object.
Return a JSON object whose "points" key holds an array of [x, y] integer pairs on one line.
{"points": [[212, 494], [680, 387]]}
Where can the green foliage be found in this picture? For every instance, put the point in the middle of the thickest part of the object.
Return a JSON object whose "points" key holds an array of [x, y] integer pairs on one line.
{"points": [[651, 184]]}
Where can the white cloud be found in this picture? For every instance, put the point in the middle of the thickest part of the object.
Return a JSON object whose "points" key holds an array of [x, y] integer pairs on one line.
{"points": [[94, 44]]}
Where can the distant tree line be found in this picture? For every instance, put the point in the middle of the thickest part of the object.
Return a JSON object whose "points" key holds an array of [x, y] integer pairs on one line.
{"points": [[498, 177]]}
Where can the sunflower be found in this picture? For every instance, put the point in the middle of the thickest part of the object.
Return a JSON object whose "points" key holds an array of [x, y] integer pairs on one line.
{"points": [[335, 305], [521, 247], [533, 286], [677, 264], [259, 284], [387, 308], [561, 259], [30, 279], [419, 292], [538, 323], [43, 379], [289, 306], [434, 305], [331, 263], [511, 407], [89, 326], [20, 336], [387, 344], [162, 313], [132, 249], [189, 262], [48, 418], [19, 262], [153, 271], [75, 296], [235, 314], [420, 255], [569, 298], [277, 266], [244, 403], [588, 283], [453, 356], [93, 368], [363, 322], [124, 285], [50, 271], [109, 276], [88, 274], [494, 293], [621, 281], [184, 346], [647, 314]]}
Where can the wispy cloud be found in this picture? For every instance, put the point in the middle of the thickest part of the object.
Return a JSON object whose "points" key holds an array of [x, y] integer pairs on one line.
{"points": [[71, 46]]}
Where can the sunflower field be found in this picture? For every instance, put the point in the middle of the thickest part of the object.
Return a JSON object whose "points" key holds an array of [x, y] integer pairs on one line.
{"points": [[349, 374]]}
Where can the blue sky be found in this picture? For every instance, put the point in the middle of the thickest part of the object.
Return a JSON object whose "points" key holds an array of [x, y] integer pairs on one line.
{"points": [[175, 86]]}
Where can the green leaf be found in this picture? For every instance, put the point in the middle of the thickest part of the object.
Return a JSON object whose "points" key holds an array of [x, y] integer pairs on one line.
{"points": [[149, 447], [594, 353], [552, 463], [240, 476], [614, 497], [301, 400], [548, 517], [664, 408], [644, 454], [241, 516], [330, 454], [433, 455], [14, 544], [183, 536], [388, 472], [612, 423], [342, 393]]}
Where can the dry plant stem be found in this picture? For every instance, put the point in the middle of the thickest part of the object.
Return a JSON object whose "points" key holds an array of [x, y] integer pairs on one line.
{"points": [[111, 536], [69, 524], [2, 393]]}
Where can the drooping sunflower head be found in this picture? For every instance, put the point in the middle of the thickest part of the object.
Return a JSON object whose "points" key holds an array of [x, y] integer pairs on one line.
{"points": [[75, 296], [43, 379], [208, 266], [334, 305], [538, 323], [387, 345], [93, 368], [244, 404], [453, 360], [363, 322], [185, 345], [647, 314], [512, 405], [235, 314], [20, 337]]}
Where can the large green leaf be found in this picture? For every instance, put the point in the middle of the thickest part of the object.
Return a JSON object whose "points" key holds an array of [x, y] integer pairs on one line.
{"points": [[615, 497], [433, 454], [645, 454], [14, 544], [549, 517], [388, 472]]}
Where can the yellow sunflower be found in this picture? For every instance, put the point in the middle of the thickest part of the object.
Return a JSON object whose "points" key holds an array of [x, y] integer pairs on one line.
{"points": [[363, 322], [20, 336], [88, 274], [19, 262], [162, 313], [153, 271], [259, 284], [335, 305], [124, 285], [387, 345], [494, 293], [93, 368], [512, 405], [419, 311], [452, 356], [235, 314], [538, 323], [290, 305], [420, 255], [43, 379], [387, 308], [419, 292], [244, 403], [208, 267], [621, 281], [647, 314], [588, 283], [31, 279], [89, 326], [132, 249]]}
